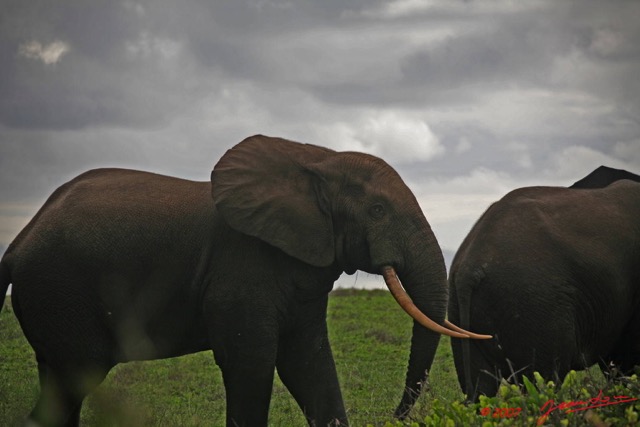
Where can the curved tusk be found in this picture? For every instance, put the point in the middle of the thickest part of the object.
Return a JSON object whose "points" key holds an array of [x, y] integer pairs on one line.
{"points": [[462, 331], [407, 305]]}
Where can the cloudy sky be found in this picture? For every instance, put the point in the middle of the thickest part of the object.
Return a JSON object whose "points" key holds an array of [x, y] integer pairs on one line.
{"points": [[466, 99]]}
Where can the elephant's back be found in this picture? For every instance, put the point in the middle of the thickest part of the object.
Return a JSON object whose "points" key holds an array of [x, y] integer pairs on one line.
{"points": [[104, 215], [552, 226], [120, 190]]}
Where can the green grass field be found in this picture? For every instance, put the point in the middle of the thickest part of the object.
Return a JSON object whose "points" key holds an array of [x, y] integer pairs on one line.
{"points": [[370, 339]]}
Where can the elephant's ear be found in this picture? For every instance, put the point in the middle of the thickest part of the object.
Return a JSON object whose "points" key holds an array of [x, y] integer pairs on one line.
{"points": [[266, 187]]}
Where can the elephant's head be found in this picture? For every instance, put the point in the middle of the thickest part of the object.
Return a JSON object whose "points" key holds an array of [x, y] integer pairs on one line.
{"points": [[346, 209]]}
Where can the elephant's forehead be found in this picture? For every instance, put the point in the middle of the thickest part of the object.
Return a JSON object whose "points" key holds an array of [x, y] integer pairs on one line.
{"points": [[371, 169], [381, 183], [372, 176]]}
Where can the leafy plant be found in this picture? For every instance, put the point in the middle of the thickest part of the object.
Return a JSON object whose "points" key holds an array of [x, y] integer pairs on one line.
{"points": [[581, 399]]}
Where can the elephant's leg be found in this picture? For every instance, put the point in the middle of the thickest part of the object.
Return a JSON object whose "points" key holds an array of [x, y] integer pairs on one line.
{"points": [[248, 384], [245, 349], [625, 355], [62, 392], [631, 341], [306, 366], [73, 350], [484, 375], [51, 408], [485, 368]]}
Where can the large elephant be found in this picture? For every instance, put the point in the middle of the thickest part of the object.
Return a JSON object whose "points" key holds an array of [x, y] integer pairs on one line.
{"points": [[554, 274], [123, 265]]}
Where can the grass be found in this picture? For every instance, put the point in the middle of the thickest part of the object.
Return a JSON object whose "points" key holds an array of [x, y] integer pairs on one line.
{"points": [[370, 340]]}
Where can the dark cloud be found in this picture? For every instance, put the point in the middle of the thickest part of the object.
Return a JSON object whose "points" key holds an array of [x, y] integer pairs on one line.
{"points": [[501, 58], [487, 95], [110, 76]]}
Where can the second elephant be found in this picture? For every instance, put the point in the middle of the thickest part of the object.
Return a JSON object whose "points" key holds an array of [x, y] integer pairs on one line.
{"points": [[554, 274]]}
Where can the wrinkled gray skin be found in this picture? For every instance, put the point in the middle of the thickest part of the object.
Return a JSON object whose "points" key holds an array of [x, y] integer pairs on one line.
{"points": [[554, 274], [123, 265]]}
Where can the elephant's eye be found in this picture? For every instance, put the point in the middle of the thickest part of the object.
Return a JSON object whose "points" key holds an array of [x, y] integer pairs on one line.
{"points": [[376, 211]]}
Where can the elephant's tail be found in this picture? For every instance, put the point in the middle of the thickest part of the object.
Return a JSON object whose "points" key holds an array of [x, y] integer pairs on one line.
{"points": [[464, 289], [5, 280], [464, 304]]}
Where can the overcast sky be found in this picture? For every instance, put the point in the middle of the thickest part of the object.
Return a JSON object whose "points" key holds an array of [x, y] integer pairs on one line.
{"points": [[466, 99]]}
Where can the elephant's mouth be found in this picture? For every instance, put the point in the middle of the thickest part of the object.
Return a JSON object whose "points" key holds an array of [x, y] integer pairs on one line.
{"points": [[403, 299]]}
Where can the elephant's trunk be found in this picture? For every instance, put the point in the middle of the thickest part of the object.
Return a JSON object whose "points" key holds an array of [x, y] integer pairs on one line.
{"points": [[428, 293], [425, 300]]}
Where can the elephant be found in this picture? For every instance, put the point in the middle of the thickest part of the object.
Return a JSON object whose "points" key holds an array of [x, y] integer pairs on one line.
{"points": [[121, 265], [553, 273], [603, 176]]}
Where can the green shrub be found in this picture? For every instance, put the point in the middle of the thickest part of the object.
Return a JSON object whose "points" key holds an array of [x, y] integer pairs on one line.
{"points": [[580, 400]]}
